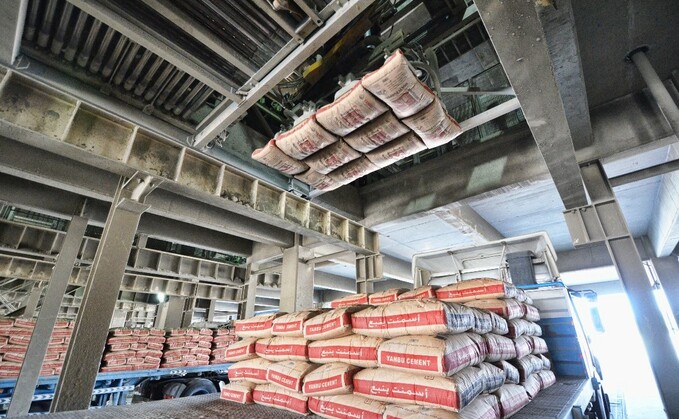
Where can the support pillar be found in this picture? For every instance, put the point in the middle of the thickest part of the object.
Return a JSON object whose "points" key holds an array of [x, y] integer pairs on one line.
{"points": [[83, 358], [42, 332], [32, 301], [603, 222], [667, 269], [248, 295], [174, 313], [187, 315], [212, 308], [368, 270], [297, 279]]}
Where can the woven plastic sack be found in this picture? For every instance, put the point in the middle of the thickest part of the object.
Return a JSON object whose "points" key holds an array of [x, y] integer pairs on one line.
{"points": [[539, 345], [450, 393], [421, 293], [433, 125], [396, 85], [330, 379], [273, 396], [357, 350], [493, 377], [531, 313], [385, 297], [512, 398], [476, 289], [305, 139], [252, 370], [532, 386], [347, 406], [273, 157], [376, 133], [413, 317], [350, 300], [318, 181], [521, 327], [289, 374], [354, 108], [483, 407], [507, 308], [332, 157], [331, 324], [352, 171], [511, 373], [240, 392], [241, 350], [527, 365], [282, 348], [546, 362], [499, 348], [255, 327], [547, 379], [500, 325], [398, 149], [482, 321], [430, 355], [292, 325]]}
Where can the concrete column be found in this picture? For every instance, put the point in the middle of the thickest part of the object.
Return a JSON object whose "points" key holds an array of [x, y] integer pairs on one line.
{"points": [[187, 315], [297, 280], [42, 332], [83, 358], [249, 295], [174, 313], [667, 269], [211, 311], [32, 301]]}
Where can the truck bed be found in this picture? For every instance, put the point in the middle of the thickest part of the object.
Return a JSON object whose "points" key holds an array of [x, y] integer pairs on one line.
{"points": [[555, 402]]}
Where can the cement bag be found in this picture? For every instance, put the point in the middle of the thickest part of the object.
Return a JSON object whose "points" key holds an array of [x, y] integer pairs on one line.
{"points": [[499, 348], [450, 393], [240, 392], [252, 370], [511, 373], [546, 363], [332, 157], [532, 386], [398, 149], [357, 350], [332, 324], [272, 396], [500, 325], [433, 125], [507, 308], [396, 84], [281, 348], [330, 380], [385, 297], [482, 322], [531, 313], [476, 289], [350, 300], [430, 355], [347, 406], [493, 377], [412, 317], [351, 110], [273, 157], [241, 350], [521, 327], [539, 345], [422, 293], [523, 346], [547, 379], [481, 343], [523, 297], [375, 133], [289, 374], [292, 325], [318, 181], [512, 398], [352, 171], [257, 326], [305, 139], [527, 365], [483, 407]]}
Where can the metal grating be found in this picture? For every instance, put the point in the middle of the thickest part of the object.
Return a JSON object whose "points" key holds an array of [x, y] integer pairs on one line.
{"points": [[554, 402]]}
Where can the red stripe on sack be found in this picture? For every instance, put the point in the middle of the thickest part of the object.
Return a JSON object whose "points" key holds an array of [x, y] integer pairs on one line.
{"points": [[325, 384], [344, 352], [292, 350], [284, 380], [281, 400], [409, 392], [410, 361], [256, 373], [383, 300], [288, 326], [422, 294], [254, 326], [240, 351], [395, 321], [338, 410], [317, 329], [236, 396], [347, 303], [482, 290]]}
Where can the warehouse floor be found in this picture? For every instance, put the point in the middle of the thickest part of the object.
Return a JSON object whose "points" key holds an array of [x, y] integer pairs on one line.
{"points": [[548, 404]]}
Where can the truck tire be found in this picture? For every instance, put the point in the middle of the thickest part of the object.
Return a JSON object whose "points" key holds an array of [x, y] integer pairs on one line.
{"points": [[173, 390], [198, 386]]}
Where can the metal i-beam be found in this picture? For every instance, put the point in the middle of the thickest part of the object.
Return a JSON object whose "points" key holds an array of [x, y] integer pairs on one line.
{"points": [[519, 40], [47, 317], [343, 15], [12, 17], [667, 269], [158, 45], [83, 358], [297, 280]]}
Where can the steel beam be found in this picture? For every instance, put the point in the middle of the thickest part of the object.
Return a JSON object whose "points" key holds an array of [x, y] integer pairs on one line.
{"points": [[667, 269], [649, 172], [297, 280], [12, 17], [603, 222], [83, 358], [663, 230], [31, 302], [464, 219], [344, 14], [42, 332], [174, 312], [247, 306], [519, 40], [158, 45]]}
